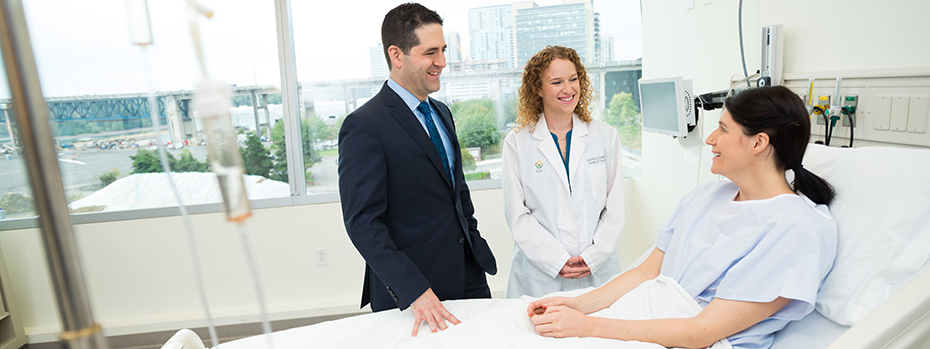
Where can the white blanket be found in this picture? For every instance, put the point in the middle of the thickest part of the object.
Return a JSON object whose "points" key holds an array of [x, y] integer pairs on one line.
{"points": [[486, 323]]}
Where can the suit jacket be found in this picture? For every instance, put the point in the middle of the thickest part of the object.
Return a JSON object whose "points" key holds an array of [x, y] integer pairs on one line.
{"points": [[401, 211]]}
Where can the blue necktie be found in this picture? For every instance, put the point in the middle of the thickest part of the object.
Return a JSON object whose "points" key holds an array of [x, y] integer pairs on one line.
{"points": [[434, 136]]}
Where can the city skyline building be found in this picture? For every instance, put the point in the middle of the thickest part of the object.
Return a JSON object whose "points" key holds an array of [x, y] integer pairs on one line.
{"points": [[606, 53], [453, 47], [570, 24], [490, 32], [597, 37], [379, 68]]}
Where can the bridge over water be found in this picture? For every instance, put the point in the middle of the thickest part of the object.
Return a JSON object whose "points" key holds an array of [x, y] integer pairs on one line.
{"points": [[171, 106]]}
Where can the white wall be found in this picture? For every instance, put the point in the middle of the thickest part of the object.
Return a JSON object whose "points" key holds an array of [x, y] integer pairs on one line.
{"points": [[702, 44]]}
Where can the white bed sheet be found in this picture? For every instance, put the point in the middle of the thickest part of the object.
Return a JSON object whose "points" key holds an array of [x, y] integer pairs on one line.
{"points": [[486, 323]]}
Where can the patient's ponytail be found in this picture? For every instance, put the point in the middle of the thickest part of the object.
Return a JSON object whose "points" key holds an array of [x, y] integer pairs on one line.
{"points": [[814, 187], [780, 114]]}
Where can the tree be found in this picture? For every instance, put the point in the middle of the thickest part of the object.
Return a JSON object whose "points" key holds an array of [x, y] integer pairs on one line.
{"points": [[16, 203], [311, 154], [109, 177], [274, 98], [187, 163], [279, 169], [622, 110], [510, 112], [246, 100], [626, 119], [256, 158], [476, 124], [318, 130], [468, 161], [147, 161]]}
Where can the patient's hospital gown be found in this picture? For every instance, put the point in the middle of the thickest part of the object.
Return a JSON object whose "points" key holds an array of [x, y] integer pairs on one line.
{"points": [[753, 251]]}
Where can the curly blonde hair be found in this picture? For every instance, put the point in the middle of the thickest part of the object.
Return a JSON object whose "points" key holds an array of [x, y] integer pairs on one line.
{"points": [[531, 104]]}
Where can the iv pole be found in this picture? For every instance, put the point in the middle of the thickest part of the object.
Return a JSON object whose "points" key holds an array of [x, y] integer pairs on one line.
{"points": [[79, 328]]}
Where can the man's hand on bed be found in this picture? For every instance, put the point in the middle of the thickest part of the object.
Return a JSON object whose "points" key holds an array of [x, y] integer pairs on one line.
{"points": [[561, 321], [428, 308], [575, 268]]}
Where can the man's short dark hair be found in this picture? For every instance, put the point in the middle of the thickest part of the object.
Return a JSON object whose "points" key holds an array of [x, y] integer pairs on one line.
{"points": [[400, 25]]}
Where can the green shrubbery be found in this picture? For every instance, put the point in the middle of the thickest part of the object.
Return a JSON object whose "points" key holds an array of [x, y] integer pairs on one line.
{"points": [[109, 177]]}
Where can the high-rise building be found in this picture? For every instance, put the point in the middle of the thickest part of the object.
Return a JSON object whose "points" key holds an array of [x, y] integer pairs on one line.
{"points": [[605, 52], [570, 24], [597, 37], [491, 34], [379, 68], [453, 47], [490, 31]]}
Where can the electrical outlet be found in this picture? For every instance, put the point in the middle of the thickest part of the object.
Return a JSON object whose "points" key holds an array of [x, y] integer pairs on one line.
{"points": [[321, 257]]}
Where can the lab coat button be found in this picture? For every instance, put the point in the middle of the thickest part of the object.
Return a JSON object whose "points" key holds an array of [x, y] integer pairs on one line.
{"points": [[461, 240]]}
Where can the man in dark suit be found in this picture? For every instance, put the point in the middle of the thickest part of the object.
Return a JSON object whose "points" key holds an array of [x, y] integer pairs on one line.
{"points": [[405, 203]]}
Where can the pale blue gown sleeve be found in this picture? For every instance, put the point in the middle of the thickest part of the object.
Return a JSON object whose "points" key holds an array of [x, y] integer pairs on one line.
{"points": [[790, 261]]}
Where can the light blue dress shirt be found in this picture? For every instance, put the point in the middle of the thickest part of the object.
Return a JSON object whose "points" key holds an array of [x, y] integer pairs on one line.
{"points": [[412, 103]]}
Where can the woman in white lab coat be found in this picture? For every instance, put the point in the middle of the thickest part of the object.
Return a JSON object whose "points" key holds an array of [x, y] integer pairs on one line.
{"points": [[563, 193]]}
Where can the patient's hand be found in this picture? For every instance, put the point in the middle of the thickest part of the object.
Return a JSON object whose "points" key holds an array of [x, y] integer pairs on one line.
{"points": [[575, 268], [539, 307], [427, 307], [561, 321]]}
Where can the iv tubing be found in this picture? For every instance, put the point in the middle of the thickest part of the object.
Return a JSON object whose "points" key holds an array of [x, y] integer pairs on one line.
{"points": [[195, 36], [195, 32], [266, 325], [195, 258]]}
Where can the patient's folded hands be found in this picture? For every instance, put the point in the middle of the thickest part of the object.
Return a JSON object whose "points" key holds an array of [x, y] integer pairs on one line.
{"points": [[538, 307], [560, 321]]}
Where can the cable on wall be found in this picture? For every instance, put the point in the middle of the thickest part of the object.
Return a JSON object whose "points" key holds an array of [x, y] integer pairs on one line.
{"points": [[742, 52]]}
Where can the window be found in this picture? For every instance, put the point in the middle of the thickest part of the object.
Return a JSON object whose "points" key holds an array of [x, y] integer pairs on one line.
{"points": [[481, 88], [95, 83], [15, 192]]}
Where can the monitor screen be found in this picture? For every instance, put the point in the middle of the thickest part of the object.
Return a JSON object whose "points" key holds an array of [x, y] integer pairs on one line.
{"points": [[660, 106], [663, 105]]}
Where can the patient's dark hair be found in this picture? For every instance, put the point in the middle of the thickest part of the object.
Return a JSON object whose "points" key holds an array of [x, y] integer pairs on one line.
{"points": [[779, 113], [400, 25]]}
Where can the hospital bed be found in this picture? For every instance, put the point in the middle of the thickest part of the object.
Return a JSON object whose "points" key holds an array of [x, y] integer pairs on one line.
{"points": [[876, 295]]}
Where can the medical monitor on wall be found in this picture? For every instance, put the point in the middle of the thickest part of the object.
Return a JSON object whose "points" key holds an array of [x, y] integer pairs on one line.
{"points": [[667, 105]]}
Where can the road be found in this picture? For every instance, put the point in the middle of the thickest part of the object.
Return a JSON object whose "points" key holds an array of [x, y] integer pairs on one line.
{"points": [[79, 169], [325, 176]]}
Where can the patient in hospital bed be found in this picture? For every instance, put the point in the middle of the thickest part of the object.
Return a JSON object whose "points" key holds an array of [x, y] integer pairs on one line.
{"points": [[883, 229], [751, 251]]}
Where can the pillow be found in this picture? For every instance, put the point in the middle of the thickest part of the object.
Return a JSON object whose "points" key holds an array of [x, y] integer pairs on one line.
{"points": [[882, 212]]}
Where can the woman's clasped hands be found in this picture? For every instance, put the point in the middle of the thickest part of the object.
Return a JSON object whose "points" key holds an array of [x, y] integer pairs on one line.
{"points": [[575, 268]]}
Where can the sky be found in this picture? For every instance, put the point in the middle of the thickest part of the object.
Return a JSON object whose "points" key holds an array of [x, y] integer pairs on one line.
{"points": [[84, 47]]}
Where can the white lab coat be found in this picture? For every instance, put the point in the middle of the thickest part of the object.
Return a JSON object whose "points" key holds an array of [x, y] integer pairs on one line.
{"points": [[551, 223]]}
